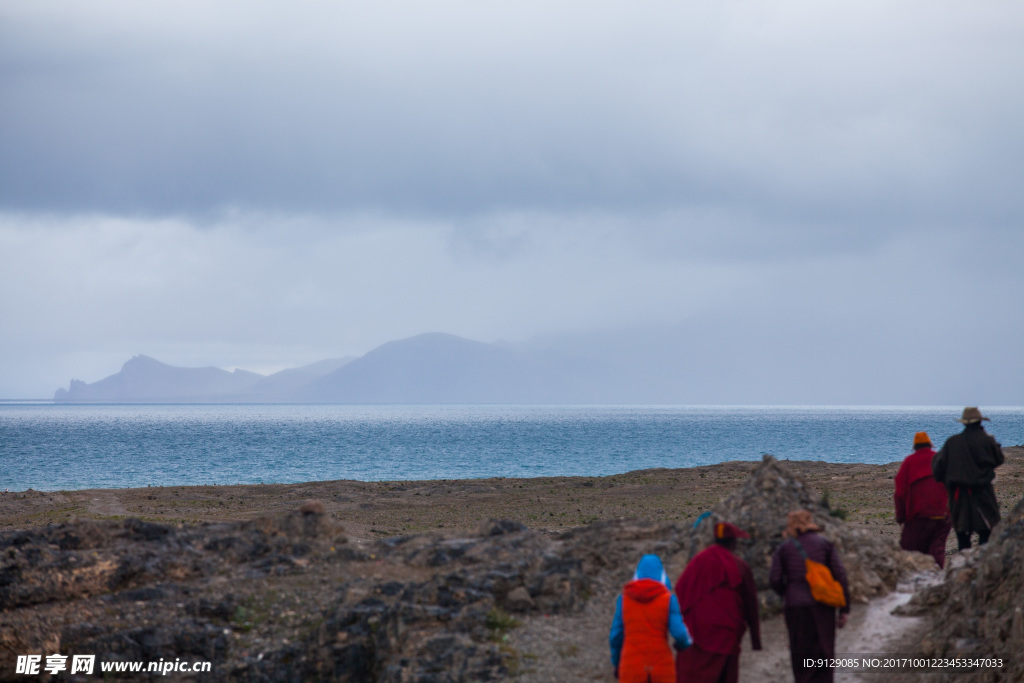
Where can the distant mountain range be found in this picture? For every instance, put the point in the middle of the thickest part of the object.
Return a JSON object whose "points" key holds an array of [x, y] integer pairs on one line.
{"points": [[429, 368], [706, 361]]}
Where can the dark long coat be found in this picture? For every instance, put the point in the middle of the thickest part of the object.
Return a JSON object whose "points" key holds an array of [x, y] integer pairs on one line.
{"points": [[966, 466]]}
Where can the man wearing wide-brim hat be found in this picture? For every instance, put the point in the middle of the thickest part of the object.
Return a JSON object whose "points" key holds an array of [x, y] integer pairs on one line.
{"points": [[966, 465]]}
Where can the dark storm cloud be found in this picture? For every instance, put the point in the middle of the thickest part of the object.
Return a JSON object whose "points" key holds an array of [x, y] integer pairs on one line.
{"points": [[871, 118], [732, 196]]}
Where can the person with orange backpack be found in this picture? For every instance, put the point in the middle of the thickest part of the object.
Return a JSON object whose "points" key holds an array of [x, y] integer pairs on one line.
{"points": [[809, 575], [645, 614]]}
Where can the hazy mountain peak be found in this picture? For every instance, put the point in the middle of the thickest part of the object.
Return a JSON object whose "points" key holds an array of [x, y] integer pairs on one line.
{"points": [[434, 367], [145, 379], [140, 362]]}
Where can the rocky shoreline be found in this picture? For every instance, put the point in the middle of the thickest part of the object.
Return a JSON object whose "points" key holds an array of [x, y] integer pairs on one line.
{"points": [[267, 585]]}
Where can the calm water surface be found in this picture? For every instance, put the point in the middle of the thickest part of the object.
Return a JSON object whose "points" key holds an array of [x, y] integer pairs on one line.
{"points": [[63, 447]]}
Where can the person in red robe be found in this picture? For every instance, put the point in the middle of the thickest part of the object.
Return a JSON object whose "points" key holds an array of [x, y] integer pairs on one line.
{"points": [[920, 501], [718, 598]]}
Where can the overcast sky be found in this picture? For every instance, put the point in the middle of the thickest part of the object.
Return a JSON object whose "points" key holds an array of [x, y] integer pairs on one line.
{"points": [[829, 189]]}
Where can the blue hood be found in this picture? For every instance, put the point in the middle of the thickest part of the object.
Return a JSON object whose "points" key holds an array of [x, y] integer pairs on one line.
{"points": [[650, 567]]}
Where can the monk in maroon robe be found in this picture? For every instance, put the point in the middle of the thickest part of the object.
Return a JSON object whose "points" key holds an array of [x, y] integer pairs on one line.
{"points": [[920, 502], [718, 599]]}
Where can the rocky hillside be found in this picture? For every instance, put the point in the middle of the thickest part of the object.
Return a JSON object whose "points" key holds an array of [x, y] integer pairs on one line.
{"points": [[978, 611], [293, 597], [290, 598]]}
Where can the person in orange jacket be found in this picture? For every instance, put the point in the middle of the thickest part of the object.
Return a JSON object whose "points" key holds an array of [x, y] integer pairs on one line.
{"points": [[645, 614]]}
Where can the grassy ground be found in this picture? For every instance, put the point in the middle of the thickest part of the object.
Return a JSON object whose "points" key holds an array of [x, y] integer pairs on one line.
{"points": [[862, 492]]}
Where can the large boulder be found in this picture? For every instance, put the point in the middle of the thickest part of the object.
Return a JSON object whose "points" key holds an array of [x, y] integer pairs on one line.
{"points": [[978, 611]]}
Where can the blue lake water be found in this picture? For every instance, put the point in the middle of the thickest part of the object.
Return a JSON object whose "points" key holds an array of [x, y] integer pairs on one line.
{"points": [[64, 447]]}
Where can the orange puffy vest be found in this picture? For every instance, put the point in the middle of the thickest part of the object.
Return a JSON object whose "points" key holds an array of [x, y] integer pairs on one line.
{"points": [[646, 655]]}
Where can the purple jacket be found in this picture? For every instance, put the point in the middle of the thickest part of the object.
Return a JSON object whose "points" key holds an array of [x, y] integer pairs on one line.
{"points": [[788, 570]]}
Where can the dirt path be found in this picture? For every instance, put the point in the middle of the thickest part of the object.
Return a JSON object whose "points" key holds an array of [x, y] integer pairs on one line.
{"points": [[575, 648], [871, 630]]}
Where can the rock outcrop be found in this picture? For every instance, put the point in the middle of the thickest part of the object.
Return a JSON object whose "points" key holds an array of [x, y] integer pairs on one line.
{"points": [[290, 598], [88, 558], [978, 611]]}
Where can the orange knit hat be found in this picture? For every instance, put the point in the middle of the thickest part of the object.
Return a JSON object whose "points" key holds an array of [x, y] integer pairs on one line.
{"points": [[724, 530], [921, 439]]}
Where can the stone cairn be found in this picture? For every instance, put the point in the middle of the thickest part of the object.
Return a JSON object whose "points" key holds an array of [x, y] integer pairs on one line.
{"points": [[874, 564]]}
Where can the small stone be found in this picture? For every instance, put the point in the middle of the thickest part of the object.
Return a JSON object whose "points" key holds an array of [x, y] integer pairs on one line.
{"points": [[499, 527], [519, 600], [312, 507]]}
